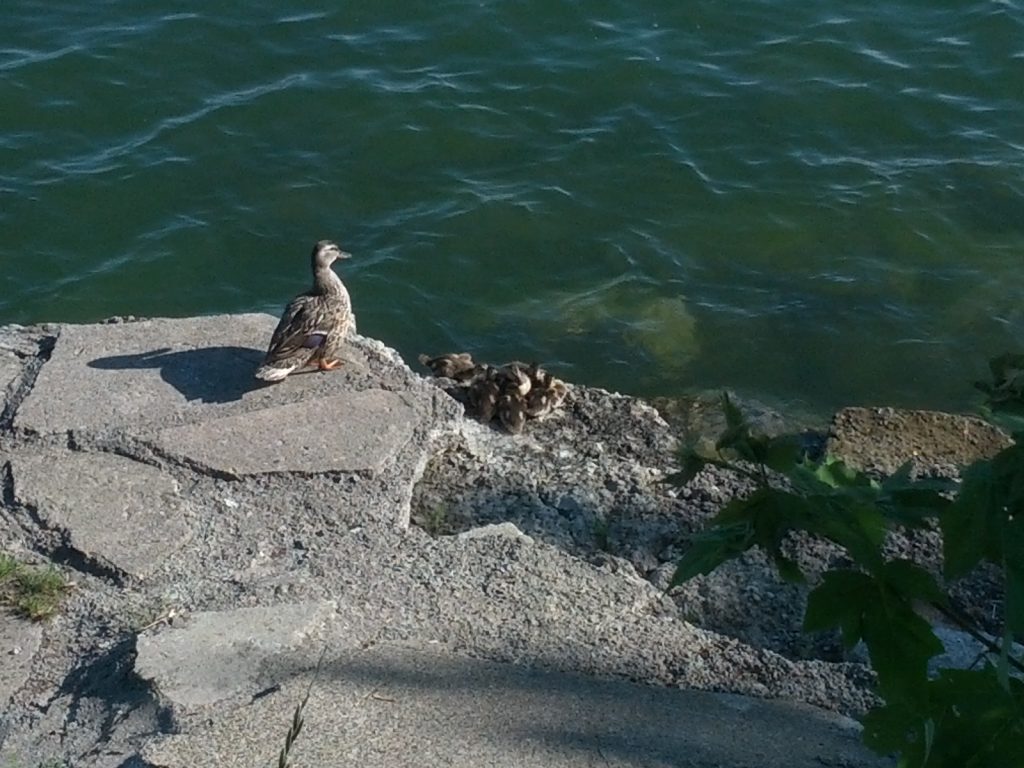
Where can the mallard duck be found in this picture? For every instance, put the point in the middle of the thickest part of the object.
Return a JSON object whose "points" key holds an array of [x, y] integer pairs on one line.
{"points": [[314, 324]]}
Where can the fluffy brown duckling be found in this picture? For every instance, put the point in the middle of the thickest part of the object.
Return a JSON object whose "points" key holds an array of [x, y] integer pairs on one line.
{"points": [[484, 393], [458, 366], [512, 412], [546, 394], [515, 378]]}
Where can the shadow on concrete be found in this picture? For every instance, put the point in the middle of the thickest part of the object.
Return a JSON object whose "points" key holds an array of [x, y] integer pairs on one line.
{"points": [[564, 719], [210, 374]]}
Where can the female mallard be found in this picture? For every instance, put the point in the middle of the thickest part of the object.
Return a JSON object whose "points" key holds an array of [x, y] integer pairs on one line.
{"points": [[314, 324]]}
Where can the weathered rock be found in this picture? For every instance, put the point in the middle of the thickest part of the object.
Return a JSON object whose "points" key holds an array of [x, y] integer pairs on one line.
{"points": [[586, 478], [126, 515], [18, 345], [503, 530], [883, 439], [282, 488]]}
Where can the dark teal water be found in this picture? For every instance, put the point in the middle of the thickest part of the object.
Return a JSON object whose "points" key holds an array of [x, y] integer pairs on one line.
{"points": [[814, 203]]}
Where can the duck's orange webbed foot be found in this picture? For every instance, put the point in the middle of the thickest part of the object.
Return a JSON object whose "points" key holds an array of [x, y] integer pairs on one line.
{"points": [[329, 365]]}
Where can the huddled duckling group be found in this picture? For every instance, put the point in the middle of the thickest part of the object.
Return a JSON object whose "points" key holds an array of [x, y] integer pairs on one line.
{"points": [[513, 392]]}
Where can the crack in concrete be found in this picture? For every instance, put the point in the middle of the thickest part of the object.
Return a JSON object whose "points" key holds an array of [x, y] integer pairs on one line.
{"points": [[23, 384]]}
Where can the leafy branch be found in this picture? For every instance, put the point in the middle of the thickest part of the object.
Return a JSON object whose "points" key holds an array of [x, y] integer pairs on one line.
{"points": [[957, 718]]}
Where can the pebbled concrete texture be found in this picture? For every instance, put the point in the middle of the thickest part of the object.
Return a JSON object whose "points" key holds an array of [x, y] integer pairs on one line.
{"points": [[220, 534], [883, 439]]}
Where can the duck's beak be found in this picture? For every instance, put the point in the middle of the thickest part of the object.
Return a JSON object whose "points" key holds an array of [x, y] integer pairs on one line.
{"points": [[344, 255]]}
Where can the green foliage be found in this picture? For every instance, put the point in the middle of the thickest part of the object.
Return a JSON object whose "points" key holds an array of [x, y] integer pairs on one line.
{"points": [[966, 718], [959, 718], [878, 609]]}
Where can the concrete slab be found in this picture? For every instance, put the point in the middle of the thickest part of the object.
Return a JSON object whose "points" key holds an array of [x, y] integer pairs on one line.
{"points": [[109, 375], [395, 706], [213, 656], [122, 513], [352, 432], [19, 641]]}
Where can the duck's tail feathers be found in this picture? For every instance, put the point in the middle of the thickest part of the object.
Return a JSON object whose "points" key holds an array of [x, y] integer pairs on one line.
{"points": [[273, 373]]}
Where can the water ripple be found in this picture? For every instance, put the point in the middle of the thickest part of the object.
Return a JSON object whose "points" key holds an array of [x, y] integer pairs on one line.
{"points": [[657, 195]]}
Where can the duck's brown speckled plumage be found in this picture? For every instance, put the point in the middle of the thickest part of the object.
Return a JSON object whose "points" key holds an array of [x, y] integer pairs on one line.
{"points": [[315, 324]]}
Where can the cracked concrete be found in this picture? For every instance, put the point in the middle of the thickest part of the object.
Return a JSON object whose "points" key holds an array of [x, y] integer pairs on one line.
{"points": [[226, 537], [122, 513]]}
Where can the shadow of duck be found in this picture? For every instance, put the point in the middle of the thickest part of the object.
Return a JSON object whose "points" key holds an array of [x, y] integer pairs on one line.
{"points": [[209, 374]]}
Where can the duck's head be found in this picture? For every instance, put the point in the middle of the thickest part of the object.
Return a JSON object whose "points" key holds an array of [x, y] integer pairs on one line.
{"points": [[326, 253]]}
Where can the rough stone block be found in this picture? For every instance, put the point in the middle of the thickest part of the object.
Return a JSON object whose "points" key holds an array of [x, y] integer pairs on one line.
{"points": [[353, 431], [125, 514]]}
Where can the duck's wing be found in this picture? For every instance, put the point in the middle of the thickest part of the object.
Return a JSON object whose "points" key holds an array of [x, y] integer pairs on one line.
{"points": [[302, 329]]}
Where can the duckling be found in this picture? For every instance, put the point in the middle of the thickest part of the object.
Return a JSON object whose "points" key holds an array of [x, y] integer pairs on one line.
{"points": [[546, 395], [458, 366], [512, 413], [515, 378], [559, 391], [484, 393], [314, 324]]}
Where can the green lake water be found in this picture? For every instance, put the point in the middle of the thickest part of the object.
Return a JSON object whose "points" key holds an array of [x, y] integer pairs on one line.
{"points": [[814, 204]]}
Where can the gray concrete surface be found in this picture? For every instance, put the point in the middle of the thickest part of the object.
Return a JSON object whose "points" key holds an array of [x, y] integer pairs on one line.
{"points": [[394, 706], [219, 533], [19, 641]]}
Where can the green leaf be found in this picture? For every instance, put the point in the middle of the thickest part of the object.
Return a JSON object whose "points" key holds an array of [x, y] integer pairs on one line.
{"points": [[900, 643], [876, 610], [840, 601], [733, 415], [912, 581], [968, 523], [835, 473], [975, 526], [857, 526], [691, 465], [710, 549], [783, 453], [769, 514], [913, 502], [968, 719], [1013, 565]]}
